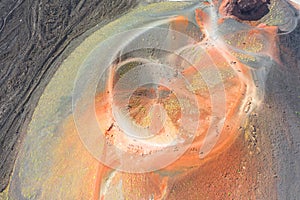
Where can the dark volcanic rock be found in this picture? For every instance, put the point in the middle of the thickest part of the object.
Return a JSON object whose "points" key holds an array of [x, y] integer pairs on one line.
{"points": [[33, 35], [251, 10]]}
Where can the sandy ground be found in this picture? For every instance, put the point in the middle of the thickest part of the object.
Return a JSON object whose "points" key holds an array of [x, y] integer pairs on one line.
{"points": [[266, 167]]}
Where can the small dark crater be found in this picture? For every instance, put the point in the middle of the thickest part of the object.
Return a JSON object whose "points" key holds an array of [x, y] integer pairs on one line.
{"points": [[251, 10]]}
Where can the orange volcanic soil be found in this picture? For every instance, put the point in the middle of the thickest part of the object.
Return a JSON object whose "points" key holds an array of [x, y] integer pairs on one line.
{"points": [[231, 174], [147, 183], [225, 173], [142, 100]]}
